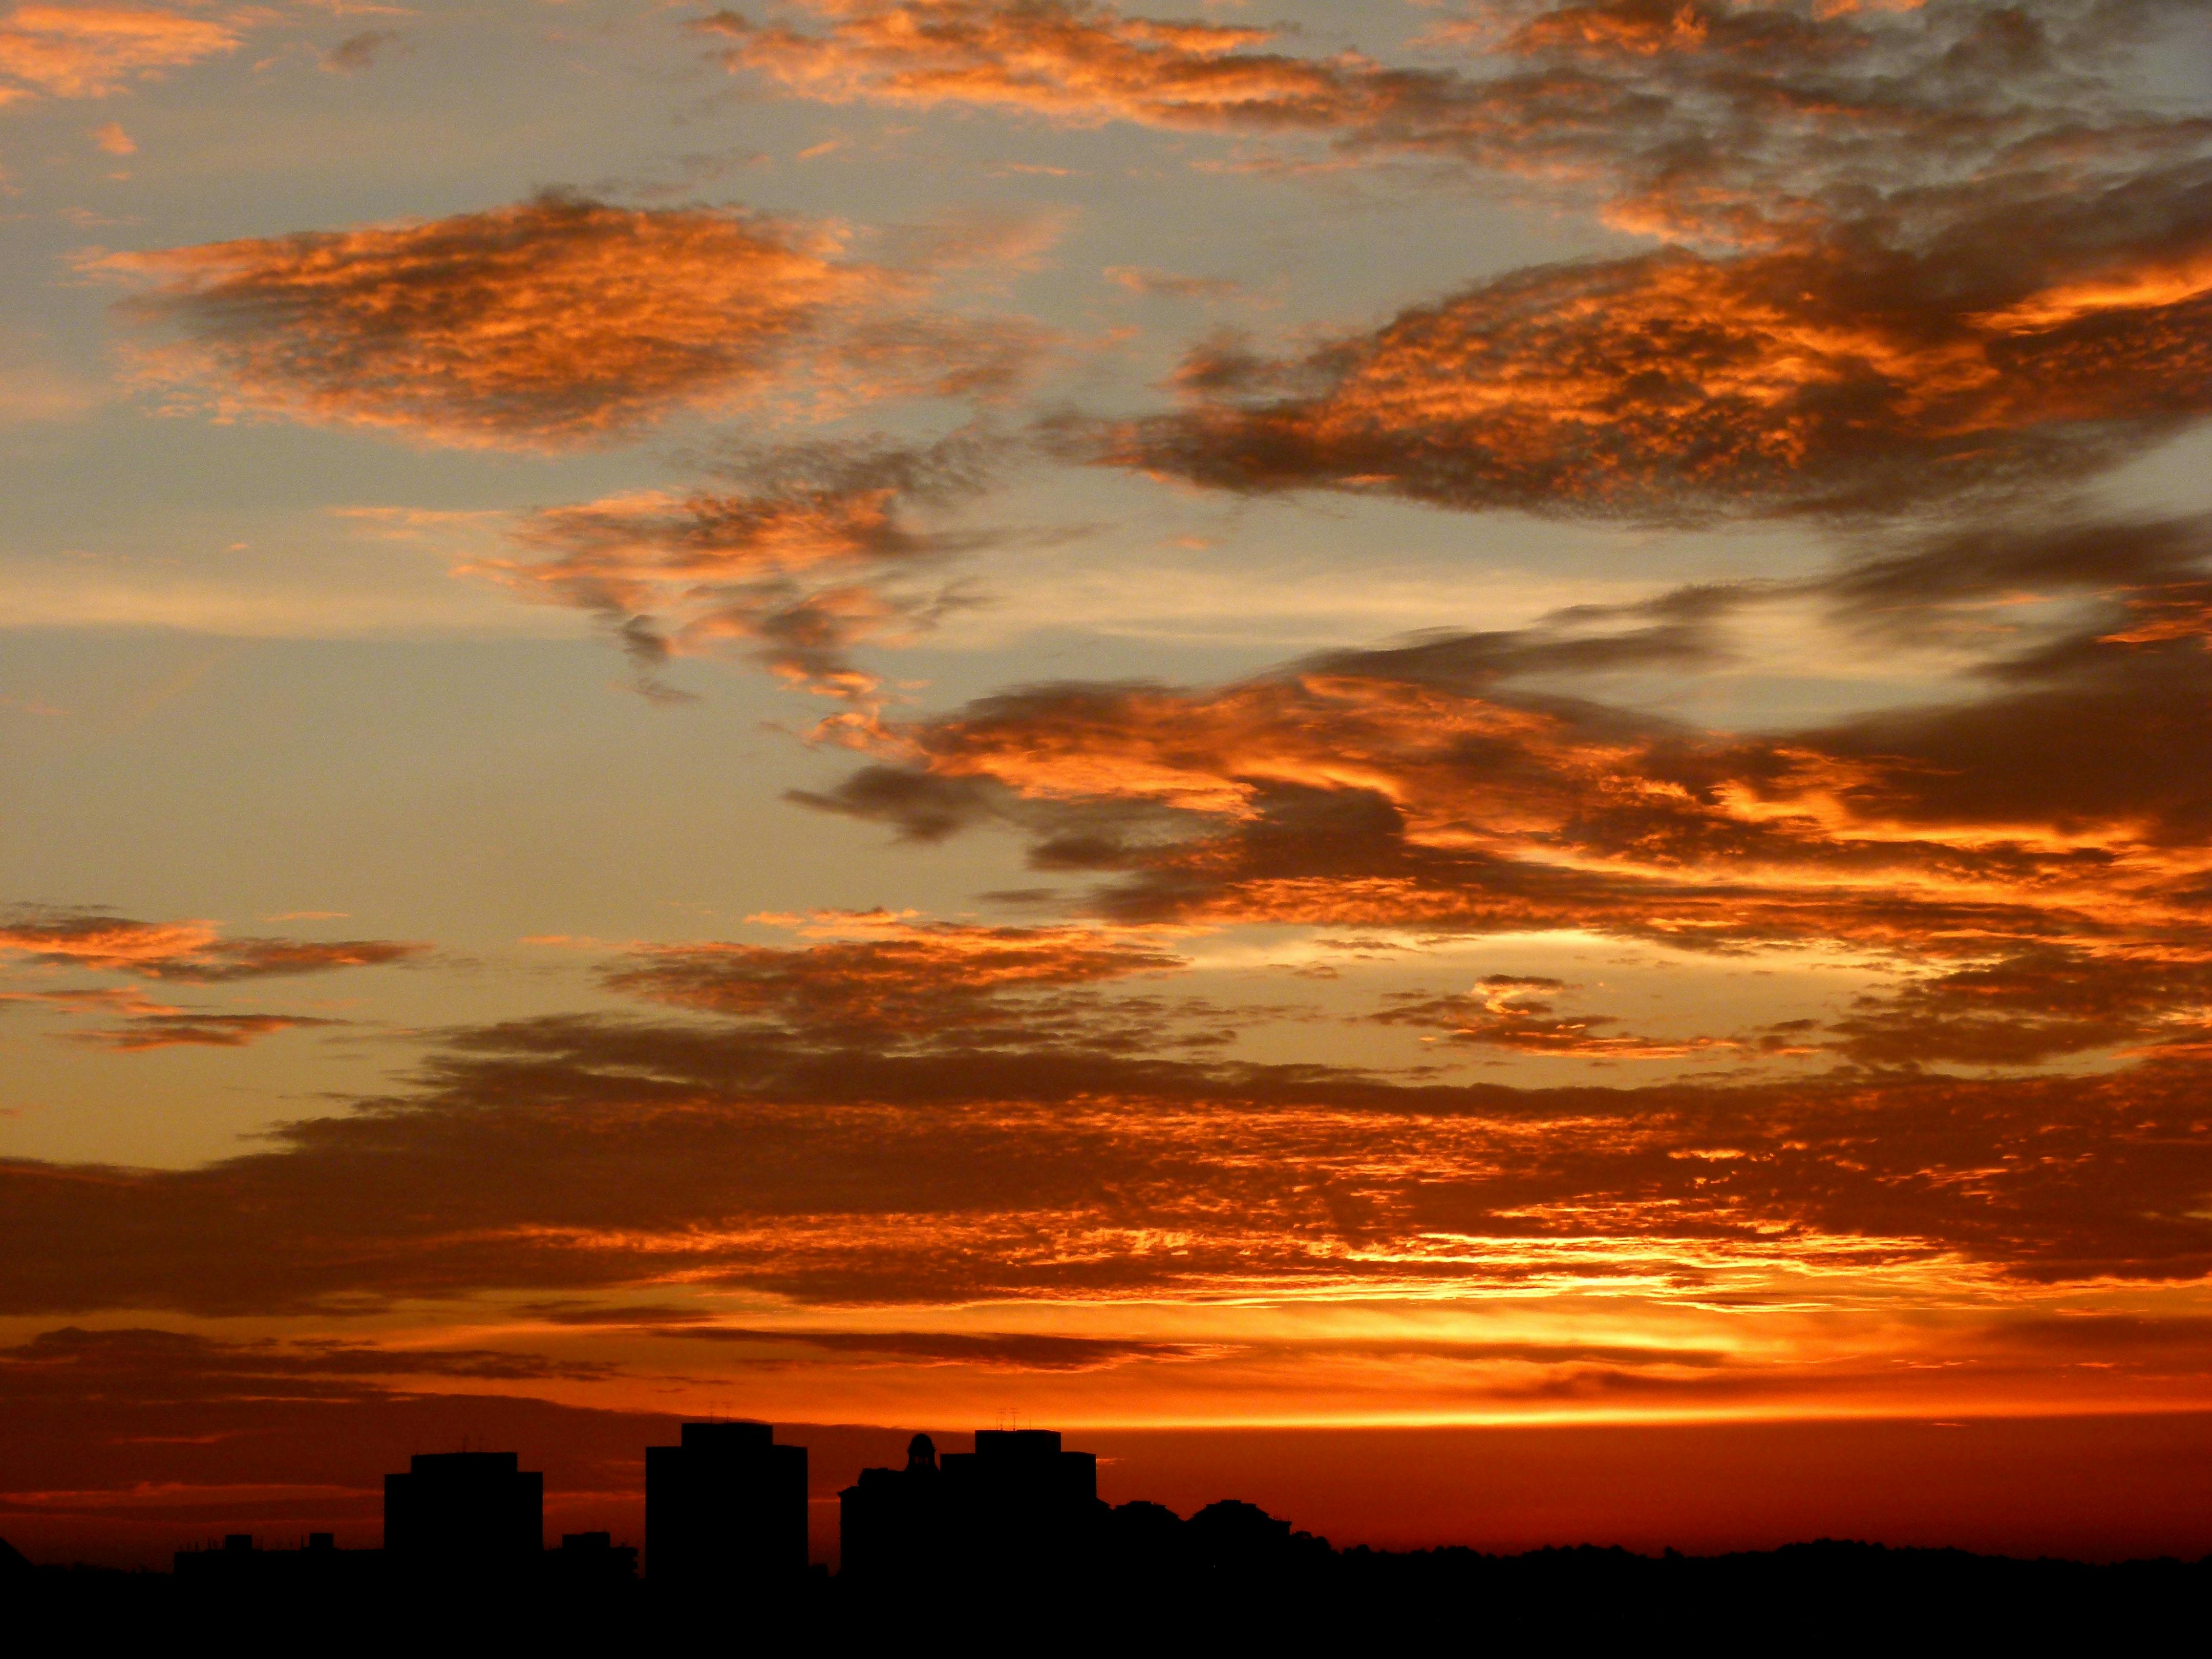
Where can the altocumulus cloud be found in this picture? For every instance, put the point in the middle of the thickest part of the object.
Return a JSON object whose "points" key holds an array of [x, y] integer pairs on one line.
{"points": [[549, 324], [1921, 253], [1675, 387]]}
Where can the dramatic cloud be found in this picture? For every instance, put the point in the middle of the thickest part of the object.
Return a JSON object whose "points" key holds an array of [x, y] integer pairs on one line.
{"points": [[1674, 387], [569, 1157], [555, 322], [813, 554], [1709, 120], [1946, 249], [1086, 64], [91, 51], [1936, 1124], [193, 952], [1074, 62], [1022, 995], [2034, 1005], [2032, 854], [897, 1111]]}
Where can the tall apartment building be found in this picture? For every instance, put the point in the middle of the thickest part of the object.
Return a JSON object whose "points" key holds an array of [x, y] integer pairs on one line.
{"points": [[725, 1511]]}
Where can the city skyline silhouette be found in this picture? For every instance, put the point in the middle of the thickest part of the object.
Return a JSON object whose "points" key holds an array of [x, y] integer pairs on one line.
{"points": [[1009, 1539]]}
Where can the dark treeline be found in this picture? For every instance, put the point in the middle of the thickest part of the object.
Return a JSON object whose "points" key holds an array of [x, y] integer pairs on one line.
{"points": [[1168, 1585]]}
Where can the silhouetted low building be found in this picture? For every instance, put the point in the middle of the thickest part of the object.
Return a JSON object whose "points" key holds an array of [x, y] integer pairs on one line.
{"points": [[464, 1511], [1019, 1504], [891, 1523], [725, 1511], [1024, 1470], [590, 1563], [238, 1565]]}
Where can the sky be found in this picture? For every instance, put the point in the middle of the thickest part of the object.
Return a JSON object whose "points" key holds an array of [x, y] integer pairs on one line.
{"points": [[1446, 759]]}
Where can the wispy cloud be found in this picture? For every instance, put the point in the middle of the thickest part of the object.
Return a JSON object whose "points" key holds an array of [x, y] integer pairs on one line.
{"points": [[92, 50], [193, 952], [361, 52], [815, 549]]}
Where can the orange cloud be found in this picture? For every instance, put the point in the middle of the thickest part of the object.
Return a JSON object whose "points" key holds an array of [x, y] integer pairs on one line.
{"points": [[192, 952], [189, 1030], [2032, 857], [2033, 1006], [553, 323], [1896, 304], [1508, 1010], [148, 1024], [91, 51], [893, 1110], [580, 1157], [128, 1001], [903, 977], [1675, 387], [1722, 121], [1074, 62], [798, 566]]}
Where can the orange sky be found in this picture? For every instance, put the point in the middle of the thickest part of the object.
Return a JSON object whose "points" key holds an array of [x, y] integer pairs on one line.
{"points": [[1445, 766]]}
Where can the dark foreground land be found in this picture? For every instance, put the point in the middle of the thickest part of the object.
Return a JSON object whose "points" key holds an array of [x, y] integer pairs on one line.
{"points": [[1288, 1594]]}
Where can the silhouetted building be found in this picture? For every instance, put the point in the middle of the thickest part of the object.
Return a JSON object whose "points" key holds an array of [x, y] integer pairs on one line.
{"points": [[1018, 1503], [591, 1561], [725, 1511], [1023, 1467], [238, 1565], [464, 1511], [891, 1523]]}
